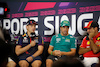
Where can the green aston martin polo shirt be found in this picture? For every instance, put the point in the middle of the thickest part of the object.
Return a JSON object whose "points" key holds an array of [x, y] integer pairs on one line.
{"points": [[63, 43]]}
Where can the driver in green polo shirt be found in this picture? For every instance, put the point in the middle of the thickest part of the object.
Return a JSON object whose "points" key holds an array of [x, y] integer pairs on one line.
{"points": [[61, 45]]}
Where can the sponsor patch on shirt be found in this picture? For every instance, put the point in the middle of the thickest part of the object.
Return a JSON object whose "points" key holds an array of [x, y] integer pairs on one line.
{"points": [[36, 40], [88, 42], [58, 40], [25, 40], [67, 40]]}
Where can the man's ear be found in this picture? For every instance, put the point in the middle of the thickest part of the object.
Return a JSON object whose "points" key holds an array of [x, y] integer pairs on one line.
{"points": [[96, 28]]}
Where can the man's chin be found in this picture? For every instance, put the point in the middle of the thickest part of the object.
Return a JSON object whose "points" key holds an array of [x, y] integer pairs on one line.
{"points": [[65, 33], [33, 31]]}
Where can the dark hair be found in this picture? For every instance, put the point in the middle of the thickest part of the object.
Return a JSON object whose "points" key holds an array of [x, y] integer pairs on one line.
{"points": [[63, 26], [95, 24]]}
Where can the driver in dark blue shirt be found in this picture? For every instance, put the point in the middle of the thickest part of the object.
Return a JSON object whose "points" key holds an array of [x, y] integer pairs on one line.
{"points": [[29, 48]]}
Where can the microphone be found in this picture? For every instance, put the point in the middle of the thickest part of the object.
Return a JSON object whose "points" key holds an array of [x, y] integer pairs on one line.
{"points": [[32, 35]]}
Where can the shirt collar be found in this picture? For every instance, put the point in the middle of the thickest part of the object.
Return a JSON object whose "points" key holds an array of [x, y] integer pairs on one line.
{"points": [[25, 35]]}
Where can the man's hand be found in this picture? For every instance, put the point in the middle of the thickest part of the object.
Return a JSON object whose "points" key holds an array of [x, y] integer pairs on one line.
{"points": [[97, 43], [29, 59], [57, 53], [92, 34], [33, 43]]}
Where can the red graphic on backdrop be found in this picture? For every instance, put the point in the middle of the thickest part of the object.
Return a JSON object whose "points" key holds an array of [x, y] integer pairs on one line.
{"points": [[39, 5]]}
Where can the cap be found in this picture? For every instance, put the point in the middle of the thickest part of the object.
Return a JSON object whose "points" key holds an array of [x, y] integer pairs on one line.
{"points": [[30, 22], [92, 24], [65, 23]]}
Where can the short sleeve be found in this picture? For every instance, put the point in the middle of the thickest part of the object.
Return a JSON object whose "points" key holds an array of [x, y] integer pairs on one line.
{"points": [[19, 41], [52, 42], [40, 40]]}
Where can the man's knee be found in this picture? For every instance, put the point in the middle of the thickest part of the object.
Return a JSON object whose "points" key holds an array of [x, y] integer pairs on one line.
{"points": [[11, 64], [49, 62], [23, 63], [36, 63]]}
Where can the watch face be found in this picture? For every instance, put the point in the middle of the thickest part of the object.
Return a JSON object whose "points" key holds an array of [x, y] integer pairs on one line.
{"points": [[1, 10]]}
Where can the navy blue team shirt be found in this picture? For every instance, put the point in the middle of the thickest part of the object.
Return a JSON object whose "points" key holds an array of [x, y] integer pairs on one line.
{"points": [[25, 40]]}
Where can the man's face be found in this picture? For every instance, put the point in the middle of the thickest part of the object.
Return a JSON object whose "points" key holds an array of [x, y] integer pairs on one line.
{"points": [[31, 28], [64, 30], [91, 30]]}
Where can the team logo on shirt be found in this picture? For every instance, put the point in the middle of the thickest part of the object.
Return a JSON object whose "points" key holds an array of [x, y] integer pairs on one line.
{"points": [[88, 43], [58, 40], [98, 38], [25, 40]]}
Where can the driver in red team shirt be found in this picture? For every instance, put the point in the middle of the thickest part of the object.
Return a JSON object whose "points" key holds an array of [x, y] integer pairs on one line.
{"points": [[90, 47]]}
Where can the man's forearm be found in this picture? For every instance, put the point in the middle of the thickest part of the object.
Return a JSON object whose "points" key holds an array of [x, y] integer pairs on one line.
{"points": [[71, 53], [68, 53], [84, 50], [39, 51], [22, 50], [94, 47], [51, 52]]}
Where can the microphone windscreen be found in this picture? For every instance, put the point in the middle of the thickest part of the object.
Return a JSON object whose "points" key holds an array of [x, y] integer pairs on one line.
{"points": [[32, 35]]}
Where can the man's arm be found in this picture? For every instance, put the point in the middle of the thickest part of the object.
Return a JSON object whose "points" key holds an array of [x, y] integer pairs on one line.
{"points": [[50, 49], [83, 50], [71, 53], [55, 53], [94, 46], [19, 50], [39, 51]]}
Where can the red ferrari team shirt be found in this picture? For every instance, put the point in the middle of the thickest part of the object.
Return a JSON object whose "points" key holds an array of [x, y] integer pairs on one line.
{"points": [[86, 44]]}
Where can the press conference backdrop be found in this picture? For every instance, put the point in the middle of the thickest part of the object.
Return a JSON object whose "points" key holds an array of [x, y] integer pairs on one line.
{"points": [[49, 15]]}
